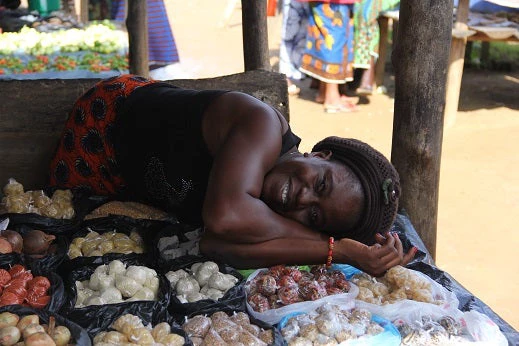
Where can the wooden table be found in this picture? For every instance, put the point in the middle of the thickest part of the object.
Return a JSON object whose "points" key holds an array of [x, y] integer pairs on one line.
{"points": [[462, 32]]}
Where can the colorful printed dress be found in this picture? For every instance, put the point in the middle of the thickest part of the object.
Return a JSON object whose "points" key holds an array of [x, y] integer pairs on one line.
{"points": [[328, 54]]}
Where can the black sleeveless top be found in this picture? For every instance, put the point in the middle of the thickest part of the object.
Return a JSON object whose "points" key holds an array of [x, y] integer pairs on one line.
{"points": [[161, 151]]}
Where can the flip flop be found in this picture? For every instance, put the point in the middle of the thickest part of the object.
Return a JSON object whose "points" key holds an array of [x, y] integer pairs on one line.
{"points": [[340, 108]]}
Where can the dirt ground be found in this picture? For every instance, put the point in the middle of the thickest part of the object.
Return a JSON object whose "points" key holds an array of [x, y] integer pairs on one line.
{"points": [[479, 186]]}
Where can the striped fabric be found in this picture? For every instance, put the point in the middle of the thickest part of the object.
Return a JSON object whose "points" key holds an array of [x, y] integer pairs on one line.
{"points": [[162, 47]]}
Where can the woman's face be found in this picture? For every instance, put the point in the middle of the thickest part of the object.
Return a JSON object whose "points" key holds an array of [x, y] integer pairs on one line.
{"points": [[318, 192]]}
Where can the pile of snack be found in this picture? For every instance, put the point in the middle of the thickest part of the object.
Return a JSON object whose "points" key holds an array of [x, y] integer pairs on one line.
{"points": [[124, 273]]}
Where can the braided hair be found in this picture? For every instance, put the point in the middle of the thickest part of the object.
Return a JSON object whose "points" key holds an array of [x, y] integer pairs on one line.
{"points": [[379, 180]]}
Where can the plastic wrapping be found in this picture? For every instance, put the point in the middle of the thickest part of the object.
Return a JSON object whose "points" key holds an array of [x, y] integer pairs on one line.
{"points": [[275, 315], [174, 242], [388, 336], [80, 336], [81, 204], [96, 318], [392, 310], [423, 262], [233, 299], [147, 322], [50, 261], [56, 290], [214, 319], [147, 229]]}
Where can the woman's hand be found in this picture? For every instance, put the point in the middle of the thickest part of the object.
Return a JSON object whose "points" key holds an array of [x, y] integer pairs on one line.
{"points": [[375, 259]]}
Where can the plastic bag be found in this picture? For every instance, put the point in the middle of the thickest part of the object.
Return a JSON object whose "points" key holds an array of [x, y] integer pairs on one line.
{"points": [[233, 299], [56, 290], [394, 310], [390, 335], [52, 260], [147, 322], [146, 229], [424, 263], [48, 224], [273, 316], [79, 335], [95, 318], [277, 338], [462, 328], [174, 242]]}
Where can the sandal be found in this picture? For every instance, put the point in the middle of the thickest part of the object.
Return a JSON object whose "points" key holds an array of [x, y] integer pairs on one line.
{"points": [[340, 108]]}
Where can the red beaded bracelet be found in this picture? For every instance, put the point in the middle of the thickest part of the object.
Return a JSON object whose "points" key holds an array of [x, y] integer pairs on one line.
{"points": [[330, 252]]}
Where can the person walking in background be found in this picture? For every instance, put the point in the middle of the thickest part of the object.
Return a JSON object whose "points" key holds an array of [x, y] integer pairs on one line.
{"points": [[293, 35], [162, 48], [328, 55], [367, 39]]}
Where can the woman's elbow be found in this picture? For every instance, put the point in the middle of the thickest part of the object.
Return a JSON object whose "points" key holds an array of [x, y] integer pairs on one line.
{"points": [[218, 223], [219, 250]]}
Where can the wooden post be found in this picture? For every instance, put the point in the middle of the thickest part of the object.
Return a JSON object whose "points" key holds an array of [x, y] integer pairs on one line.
{"points": [[456, 61], [380, 65], [420, 60], [137, 25], [255, 35], [83, 11]]}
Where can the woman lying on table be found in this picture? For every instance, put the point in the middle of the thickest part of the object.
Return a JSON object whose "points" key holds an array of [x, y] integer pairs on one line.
{"points": [[230, 161]]}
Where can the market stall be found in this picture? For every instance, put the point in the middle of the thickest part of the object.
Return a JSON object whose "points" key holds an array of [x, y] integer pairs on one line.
{"points": [[96, 50], [71, 259], [182, 298]]}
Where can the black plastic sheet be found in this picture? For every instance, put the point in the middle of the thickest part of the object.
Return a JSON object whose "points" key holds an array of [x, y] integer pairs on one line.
{"points": [[424, 263], [80, 336], [233, 299], [95, 318]]}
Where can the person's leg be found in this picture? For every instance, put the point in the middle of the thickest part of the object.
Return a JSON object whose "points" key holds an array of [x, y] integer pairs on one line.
{"points": [[368, 79], [335, 102]]}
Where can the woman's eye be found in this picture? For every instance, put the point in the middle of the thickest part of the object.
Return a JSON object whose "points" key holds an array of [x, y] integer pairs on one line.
{"points": [[322, 185]]}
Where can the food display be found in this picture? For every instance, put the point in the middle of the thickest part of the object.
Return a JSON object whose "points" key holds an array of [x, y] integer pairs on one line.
{"points": [[281, 285], [95, 244], [220, 329], [429, 331], [131, 330], [330, 325], [397, 284], [134, 210], [297, 306], [202, 281], [171, 247], [34, 243], [19, 286], [27, 330], [115, 283], [16, 200]]}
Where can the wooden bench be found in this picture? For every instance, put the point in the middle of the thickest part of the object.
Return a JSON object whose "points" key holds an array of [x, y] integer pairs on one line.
{"points": [[33, 113]]}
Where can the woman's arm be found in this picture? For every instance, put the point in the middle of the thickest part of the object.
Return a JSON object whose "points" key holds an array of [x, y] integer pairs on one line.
{"points": [[244, 136], [374, 260]]}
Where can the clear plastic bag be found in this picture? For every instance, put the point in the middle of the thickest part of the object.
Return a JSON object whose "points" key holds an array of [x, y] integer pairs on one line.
{"points": [[273, 316]]}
